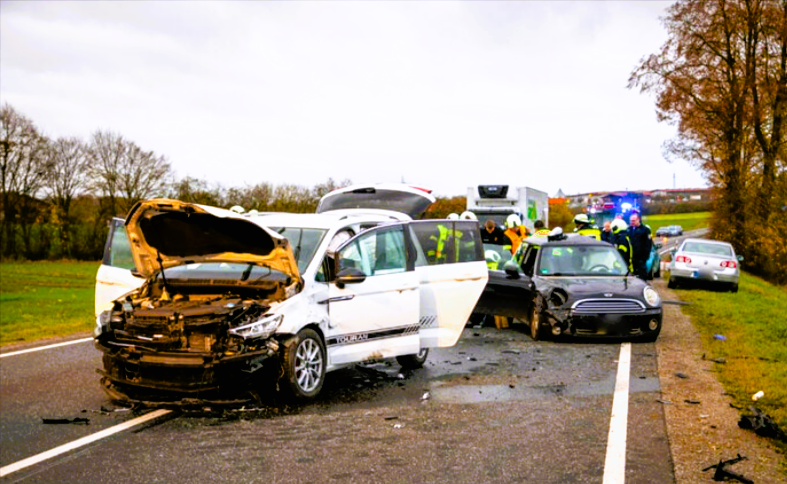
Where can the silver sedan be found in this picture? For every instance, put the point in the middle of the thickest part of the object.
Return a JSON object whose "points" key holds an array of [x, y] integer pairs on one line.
{"points": [[708, 261]]}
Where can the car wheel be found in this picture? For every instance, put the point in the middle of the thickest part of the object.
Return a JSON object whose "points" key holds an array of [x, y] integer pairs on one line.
{"points": [[413, 362], [535, 322], [304, 365], [672, 284], [734, 287]]}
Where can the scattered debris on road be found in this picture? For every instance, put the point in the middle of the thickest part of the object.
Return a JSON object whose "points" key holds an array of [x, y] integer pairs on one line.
{"points": [[720, 337], [762, 424], [60, 421], [511, 351], [723, 474], [681, 375], [692, 402]]}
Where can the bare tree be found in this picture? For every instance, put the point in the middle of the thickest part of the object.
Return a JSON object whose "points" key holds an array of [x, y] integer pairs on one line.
{"points": [[721, 77], [142, 174], [123, 172], [23, 169], [67, 178]]}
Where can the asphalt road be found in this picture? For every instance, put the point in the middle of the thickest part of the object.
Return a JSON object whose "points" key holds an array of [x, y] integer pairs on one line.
{"points": [[497, 407]]}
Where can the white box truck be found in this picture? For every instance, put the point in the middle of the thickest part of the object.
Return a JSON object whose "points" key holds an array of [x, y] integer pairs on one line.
{"points": [[499, 201]]}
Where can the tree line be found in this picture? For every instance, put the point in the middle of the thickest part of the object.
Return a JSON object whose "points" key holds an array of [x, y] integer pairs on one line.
{"points": [[721, 79], [57, 195]]}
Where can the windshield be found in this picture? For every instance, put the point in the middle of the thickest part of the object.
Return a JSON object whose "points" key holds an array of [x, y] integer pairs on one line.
{"points": [[581, 260], [217, 272], [496, 256], [304, 243]]}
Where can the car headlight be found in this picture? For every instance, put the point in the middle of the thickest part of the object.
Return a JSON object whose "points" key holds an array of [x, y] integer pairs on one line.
{"points": [[262, 328], [651, 296], [102, 324]]}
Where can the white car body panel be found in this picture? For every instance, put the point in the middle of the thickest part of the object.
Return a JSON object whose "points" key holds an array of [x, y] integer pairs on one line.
{"points": [[443, 289], [111, 283], [362, 316]]}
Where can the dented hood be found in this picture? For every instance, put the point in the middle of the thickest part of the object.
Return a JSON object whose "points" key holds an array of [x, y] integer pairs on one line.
{"points": [[182, 233]]}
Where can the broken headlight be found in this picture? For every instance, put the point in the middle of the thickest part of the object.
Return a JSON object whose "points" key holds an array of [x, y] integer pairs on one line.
{"points": [[102, 324], [651, 296], [262, 328]]}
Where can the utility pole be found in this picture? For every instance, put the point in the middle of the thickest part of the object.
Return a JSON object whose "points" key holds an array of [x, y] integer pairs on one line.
{"points": [[673, 180]]}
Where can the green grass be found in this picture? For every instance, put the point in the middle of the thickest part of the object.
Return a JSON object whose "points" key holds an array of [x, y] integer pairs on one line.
{"points": [[755, 327], [43, 299], [689, 221]]}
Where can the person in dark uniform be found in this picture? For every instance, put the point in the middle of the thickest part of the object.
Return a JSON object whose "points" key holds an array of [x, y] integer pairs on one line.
{"points": [[641, 244], [606, 233], [492, 234]]}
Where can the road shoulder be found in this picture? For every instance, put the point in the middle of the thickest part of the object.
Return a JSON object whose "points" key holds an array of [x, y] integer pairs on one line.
{"points": [[701, 434]]}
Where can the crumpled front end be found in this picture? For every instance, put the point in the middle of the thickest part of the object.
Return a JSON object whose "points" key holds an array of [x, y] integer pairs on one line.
{"points": [[199, 347], [600, 316]]}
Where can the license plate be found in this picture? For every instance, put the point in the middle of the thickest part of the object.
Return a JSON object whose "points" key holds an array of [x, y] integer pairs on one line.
{"points": [[695, 274]]}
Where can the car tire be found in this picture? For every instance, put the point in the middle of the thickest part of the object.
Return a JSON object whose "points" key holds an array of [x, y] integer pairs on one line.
{"points": [[672, 284], [535, 322], [734, 287], [304, 366], [413, 362]]}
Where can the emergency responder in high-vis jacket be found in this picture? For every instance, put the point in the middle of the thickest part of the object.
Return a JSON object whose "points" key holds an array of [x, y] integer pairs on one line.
{"points": [[439, 247], [585, 227], [515, 231], [621, 240], [540, 229]]}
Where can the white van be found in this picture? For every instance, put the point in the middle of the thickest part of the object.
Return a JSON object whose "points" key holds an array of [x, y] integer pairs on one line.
{"points": [[227, 298]]}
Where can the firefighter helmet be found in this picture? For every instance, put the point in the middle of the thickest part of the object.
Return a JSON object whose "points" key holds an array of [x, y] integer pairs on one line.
{"points": [[468, 215], [513, 221], [618, 225]]}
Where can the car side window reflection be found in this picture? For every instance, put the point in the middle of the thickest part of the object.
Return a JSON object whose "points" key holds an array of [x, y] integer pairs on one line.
{"points": [[120, 249], [377, 253]]}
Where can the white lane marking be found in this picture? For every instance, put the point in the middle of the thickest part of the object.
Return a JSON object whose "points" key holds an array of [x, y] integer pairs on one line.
{"points": [[615, 463], [4, 471], [41, 348]]}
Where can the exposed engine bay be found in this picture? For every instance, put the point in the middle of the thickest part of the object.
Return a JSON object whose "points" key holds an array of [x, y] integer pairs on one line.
{"points": [[187, 339]]}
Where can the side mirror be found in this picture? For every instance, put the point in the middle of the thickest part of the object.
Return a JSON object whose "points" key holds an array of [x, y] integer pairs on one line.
{"points": [[740, 258], [511, 269], [349, 275]]}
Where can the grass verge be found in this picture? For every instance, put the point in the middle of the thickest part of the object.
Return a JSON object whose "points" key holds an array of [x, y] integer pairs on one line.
{"points": [[689, 221], [754, 328], [45, 299]]}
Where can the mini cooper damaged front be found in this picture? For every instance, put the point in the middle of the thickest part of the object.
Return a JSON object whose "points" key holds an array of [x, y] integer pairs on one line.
{"points": [[203, 325]]}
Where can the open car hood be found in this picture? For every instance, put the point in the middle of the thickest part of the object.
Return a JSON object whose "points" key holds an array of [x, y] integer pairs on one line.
{"points": [[385, 196], [179, 233]]}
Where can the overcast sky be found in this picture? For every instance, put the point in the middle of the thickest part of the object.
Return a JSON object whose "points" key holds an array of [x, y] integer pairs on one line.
{"points": [[440, 94]]}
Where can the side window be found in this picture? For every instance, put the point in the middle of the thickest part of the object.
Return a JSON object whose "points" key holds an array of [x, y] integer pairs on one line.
{"points": [[117, 252], [378, 253], [446, 242], [529, 264]]}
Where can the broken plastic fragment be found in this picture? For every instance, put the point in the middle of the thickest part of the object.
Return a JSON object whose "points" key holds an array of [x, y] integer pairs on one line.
{"points": [[720, 337]]}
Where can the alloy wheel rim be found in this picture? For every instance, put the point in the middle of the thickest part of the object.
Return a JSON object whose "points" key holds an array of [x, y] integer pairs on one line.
{"points": [[308, 365]]}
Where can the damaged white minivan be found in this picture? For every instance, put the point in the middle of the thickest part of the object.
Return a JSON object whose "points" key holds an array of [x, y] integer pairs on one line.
{"points": [[229, 303]]}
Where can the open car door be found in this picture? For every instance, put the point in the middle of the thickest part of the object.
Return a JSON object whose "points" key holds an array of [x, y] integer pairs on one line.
{"points": [[451, 273], [115, 274], [373, 301]]}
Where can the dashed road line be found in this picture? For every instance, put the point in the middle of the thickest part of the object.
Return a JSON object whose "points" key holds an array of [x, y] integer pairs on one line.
{"points": [[16, 466], [48, 347], [615, 462]]}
